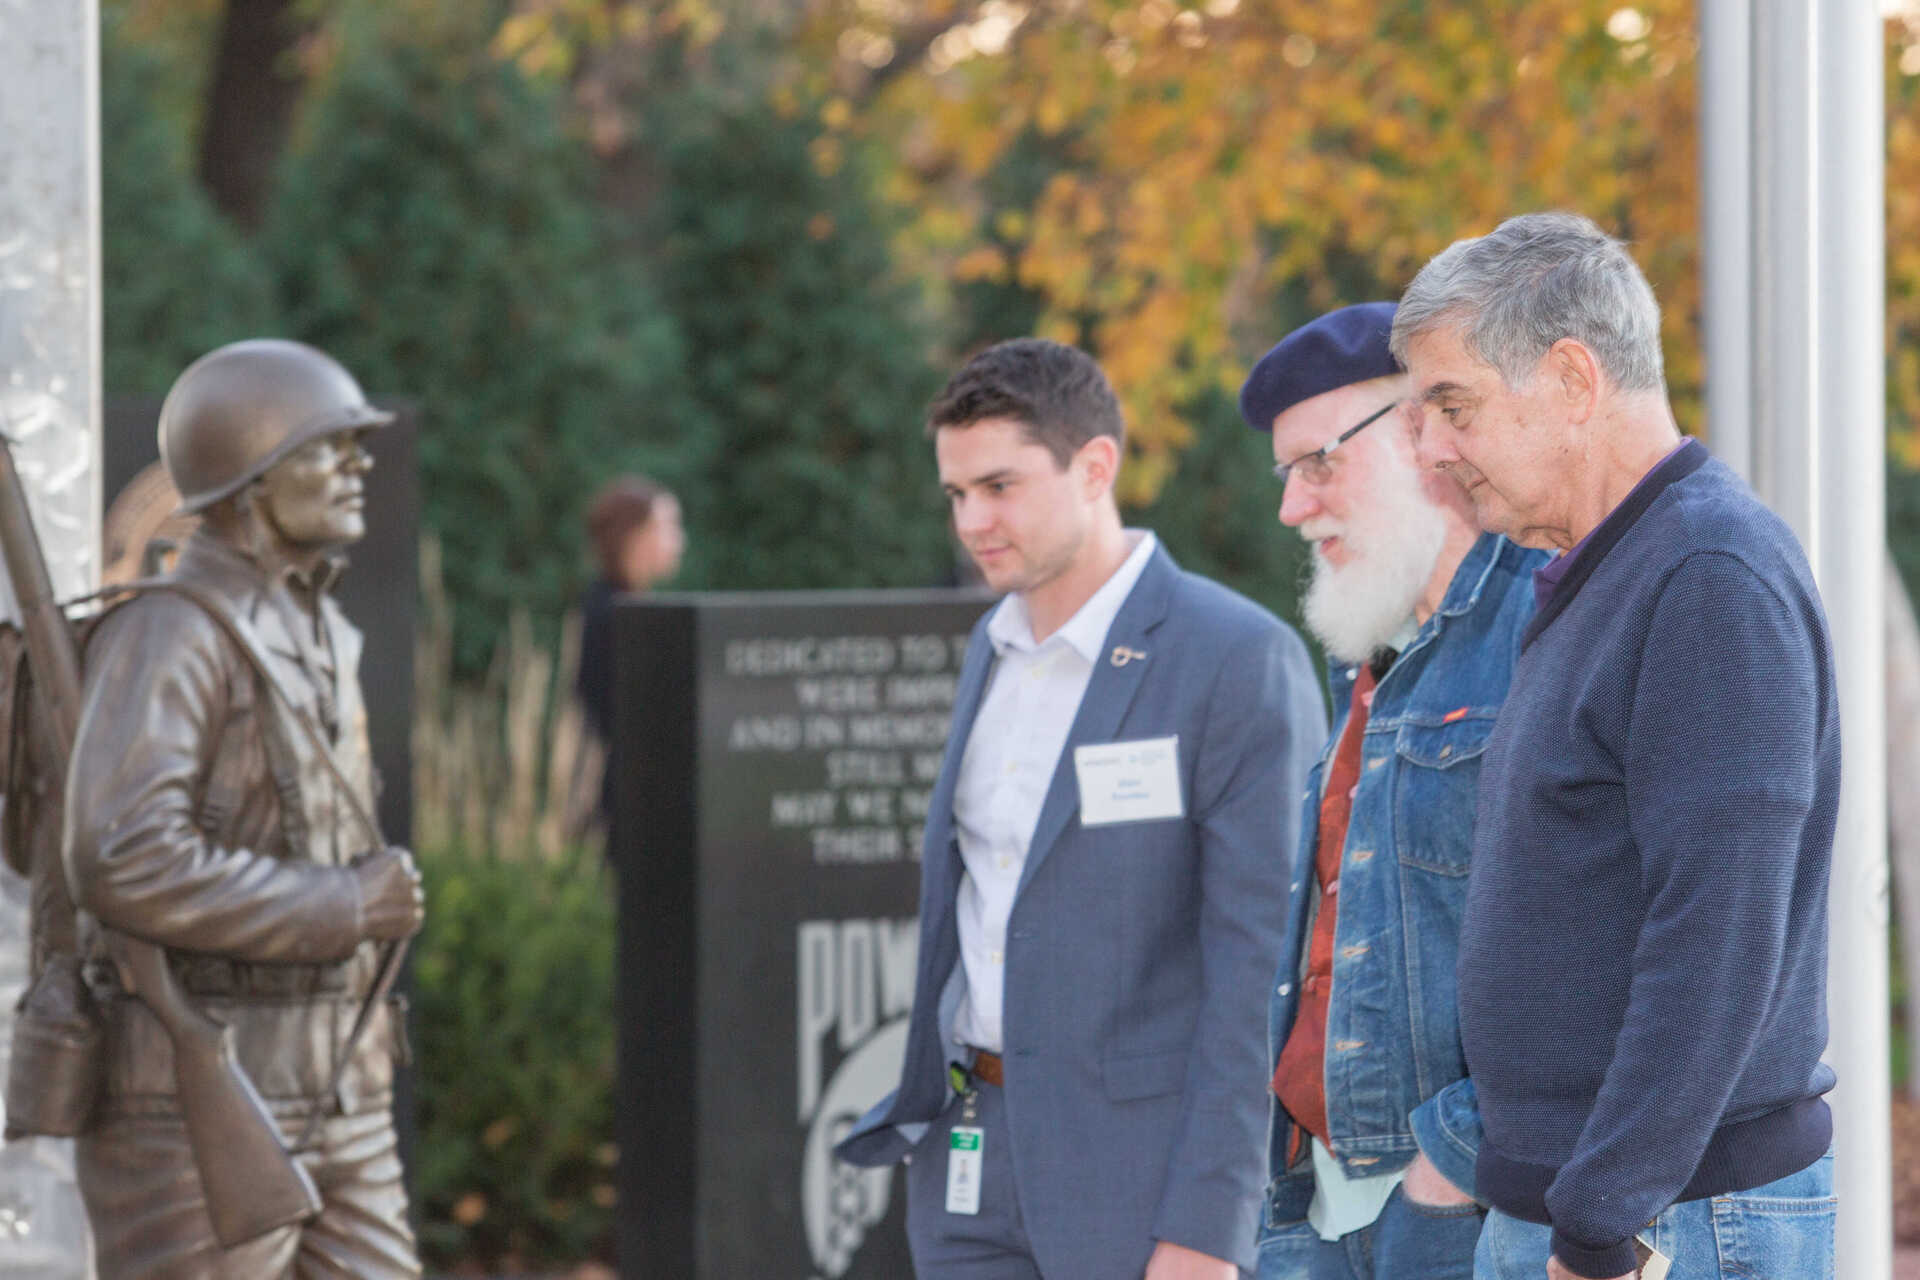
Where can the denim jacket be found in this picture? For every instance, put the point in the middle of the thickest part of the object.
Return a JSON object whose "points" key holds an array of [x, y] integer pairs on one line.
{"points": [[1396, 1077]]}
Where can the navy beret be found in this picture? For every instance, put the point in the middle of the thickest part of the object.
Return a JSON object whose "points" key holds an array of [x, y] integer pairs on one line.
{"points": [[1337, 350]]}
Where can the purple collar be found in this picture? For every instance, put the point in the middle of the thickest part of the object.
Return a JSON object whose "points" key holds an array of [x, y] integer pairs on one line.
{"points": [[1547, 578]]}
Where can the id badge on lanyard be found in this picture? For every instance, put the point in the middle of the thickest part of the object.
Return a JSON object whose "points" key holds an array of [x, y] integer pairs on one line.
{"points": [[965, 1150]]}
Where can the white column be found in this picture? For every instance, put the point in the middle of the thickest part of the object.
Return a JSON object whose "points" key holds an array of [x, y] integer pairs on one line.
{"points": [[1793, 243], [1726, 225], [1849, 307], [50, 407]]}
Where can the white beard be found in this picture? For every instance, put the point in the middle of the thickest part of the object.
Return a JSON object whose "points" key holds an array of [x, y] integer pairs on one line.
{"points": [[1392, 546]]}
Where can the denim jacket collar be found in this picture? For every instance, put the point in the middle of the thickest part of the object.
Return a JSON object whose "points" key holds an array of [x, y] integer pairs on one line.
{"points": [[1477, 569]]}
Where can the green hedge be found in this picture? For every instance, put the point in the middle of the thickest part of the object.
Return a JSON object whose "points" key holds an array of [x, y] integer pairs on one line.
{"points": [[514, 1036]]}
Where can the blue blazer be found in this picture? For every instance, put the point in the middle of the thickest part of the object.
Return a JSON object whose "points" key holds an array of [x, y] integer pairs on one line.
{"points": [[1137, 955]]}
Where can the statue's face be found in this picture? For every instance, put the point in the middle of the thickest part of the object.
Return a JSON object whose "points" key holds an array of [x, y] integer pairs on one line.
{"points": [[315, 498]]}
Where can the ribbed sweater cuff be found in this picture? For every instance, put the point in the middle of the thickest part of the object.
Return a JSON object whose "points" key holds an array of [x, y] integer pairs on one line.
{"points": [[1601, 1263]]}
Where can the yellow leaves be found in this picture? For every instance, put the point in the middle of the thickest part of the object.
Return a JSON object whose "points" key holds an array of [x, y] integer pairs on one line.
{"points": [[828, 154], [1903, 250], [1316, 151], [984, 262], [535, 42], [1050, 113]]}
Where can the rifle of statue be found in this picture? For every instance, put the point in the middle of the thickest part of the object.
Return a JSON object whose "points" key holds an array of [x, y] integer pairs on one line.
{"points": [[252, 1185]]}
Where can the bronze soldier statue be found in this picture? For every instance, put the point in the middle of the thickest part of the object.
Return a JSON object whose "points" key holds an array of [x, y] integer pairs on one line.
{"points": [[216, 805]]}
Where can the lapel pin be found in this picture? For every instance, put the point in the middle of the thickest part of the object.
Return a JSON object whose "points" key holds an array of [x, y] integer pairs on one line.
{"points": [[1123, 655]]}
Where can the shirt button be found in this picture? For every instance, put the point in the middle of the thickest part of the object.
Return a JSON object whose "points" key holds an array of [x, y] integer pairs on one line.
{"points": [[1333, 886], [995, 956], [1283, 989], [1003, 863]]}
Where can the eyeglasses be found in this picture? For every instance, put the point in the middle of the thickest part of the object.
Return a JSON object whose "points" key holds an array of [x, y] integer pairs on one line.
{"points": [[1313, 467]]}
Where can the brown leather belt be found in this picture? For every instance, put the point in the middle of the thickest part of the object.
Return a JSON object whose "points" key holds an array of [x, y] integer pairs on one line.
{"points": [[986, 1066]]}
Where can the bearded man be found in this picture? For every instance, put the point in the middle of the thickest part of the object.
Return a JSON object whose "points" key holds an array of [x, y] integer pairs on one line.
{"points": [[1374, 1138]]}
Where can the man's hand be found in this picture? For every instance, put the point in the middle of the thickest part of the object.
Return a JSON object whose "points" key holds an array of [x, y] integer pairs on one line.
{"points": [[1424, 1184], [1177, 1262], [392, 902], [1556, 1270]]}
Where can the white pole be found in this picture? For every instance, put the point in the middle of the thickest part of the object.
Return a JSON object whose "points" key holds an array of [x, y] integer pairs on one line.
{"points": [[1811, 383], [1786, 266], [1849, 310], [1726, 225], [50, 406]]}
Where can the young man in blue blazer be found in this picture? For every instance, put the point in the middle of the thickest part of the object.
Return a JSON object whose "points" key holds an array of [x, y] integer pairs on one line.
{"points": [[1105, 870]]}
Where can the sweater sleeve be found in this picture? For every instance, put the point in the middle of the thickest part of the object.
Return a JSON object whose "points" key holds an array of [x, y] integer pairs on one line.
{"points": [[1719, 765]]}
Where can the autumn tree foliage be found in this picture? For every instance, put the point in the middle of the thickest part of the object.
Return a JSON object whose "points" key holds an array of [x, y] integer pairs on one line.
{"points": [[1903, 238], [1225, 170]]}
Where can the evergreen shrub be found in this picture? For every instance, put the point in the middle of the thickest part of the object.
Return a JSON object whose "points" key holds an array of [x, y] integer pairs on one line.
{"points": [[514, 1059], [806, 350], [178, 279], [435, 227]]}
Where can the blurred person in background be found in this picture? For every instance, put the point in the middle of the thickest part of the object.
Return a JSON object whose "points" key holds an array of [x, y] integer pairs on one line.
{"points": [[634, 528], [1420, 613]]}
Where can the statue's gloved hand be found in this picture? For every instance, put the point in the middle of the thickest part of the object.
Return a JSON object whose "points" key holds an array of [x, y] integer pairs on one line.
{"points": [[392, 901]]}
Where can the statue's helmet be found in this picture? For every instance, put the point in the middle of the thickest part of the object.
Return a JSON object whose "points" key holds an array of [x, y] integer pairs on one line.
{"points": [[239, 410]]}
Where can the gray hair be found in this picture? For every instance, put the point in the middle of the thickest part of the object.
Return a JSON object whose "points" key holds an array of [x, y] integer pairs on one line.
{"points": [[1530, 282]]}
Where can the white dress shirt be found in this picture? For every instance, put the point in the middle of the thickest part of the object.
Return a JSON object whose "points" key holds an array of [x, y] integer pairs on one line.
{"points": [[1011, 756]]}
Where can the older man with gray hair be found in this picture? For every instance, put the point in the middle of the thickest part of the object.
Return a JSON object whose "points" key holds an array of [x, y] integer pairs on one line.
{"points": [[1644, 953]]}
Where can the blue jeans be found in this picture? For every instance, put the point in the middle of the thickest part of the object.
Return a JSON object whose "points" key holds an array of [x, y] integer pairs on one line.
{"points": [[1782, 1231], [1408, 1241]]}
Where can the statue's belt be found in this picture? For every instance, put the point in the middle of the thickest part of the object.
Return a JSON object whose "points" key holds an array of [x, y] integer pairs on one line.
{"points": [[216, 977]]}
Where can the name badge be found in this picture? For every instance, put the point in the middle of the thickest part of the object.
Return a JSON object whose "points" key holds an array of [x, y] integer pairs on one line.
{"points": [[965, 1147], [1129, 781]]}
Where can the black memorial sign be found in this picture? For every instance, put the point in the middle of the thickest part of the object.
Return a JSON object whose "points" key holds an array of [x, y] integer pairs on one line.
{"points": [[774, 755]]}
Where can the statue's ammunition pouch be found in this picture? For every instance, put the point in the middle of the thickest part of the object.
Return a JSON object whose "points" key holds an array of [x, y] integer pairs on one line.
{"points": [[54, 1078]]}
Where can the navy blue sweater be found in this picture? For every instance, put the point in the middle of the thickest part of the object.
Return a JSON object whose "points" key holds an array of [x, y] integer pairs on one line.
{"points": [[1643, 959]]}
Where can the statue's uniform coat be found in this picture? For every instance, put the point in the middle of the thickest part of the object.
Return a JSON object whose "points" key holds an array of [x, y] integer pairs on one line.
{"points": [[201, 817]]}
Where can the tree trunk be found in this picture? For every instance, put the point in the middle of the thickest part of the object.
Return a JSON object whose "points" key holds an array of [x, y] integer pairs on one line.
{"points": [[1903, 797], [254, 86]]}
